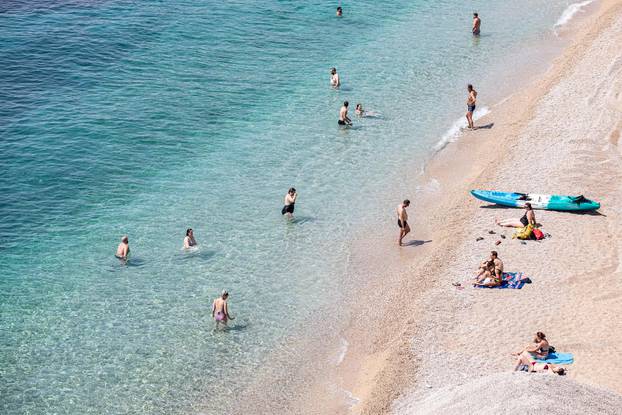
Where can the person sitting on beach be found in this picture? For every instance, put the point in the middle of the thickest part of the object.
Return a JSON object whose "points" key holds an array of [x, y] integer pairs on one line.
{"points": [[359, 110], [339, 11], [471, 101], [402, 220], [529, 218], [123, 250], [487, 277], [497, 271], [335, 82], [477, 22], [539, 350], [290, 201], [220, 309], [343, 115], [189, 240]]}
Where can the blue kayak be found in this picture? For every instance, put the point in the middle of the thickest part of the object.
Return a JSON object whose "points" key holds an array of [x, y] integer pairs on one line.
{"points": [[549, 202]]}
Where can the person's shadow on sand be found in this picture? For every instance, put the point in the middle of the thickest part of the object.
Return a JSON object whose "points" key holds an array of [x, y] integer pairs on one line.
{"points": [[416, 242], [484, 127]]}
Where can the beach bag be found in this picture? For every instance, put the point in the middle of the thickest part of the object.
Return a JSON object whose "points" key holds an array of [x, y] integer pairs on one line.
{"points": [[524, 233], [537, 233]]}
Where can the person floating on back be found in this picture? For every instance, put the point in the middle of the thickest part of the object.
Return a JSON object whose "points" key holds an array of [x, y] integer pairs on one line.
{"points": [[220, 309], [339, 11], [343, 115], [477, 22], [402, 220], [471, 101], [334, 78], [189, 240], [290, 201], [123, 250]]}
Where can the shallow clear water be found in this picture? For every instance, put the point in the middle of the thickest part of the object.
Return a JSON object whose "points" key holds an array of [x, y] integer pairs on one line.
{"points": [[119, 117]]}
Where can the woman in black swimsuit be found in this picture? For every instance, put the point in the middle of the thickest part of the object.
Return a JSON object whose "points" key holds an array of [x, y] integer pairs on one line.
{"points": [[529, 218]]}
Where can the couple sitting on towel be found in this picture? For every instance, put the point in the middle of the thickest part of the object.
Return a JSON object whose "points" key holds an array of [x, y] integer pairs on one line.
{"points": [[490, 273], [526, 359]]}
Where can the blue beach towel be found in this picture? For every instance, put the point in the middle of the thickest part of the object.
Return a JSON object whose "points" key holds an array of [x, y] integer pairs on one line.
{"points": [[514, 280], [558, 359]]}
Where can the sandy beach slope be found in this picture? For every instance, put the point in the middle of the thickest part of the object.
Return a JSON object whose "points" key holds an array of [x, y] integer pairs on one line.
{"points": [[429, 347]]}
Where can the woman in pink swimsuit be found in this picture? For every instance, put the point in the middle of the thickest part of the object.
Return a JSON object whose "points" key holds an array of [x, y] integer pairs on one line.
{"points": [[220, 309]]}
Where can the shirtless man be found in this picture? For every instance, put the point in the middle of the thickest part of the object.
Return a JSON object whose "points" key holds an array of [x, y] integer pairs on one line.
{"points": [[402, 220], [339, 11], [334, 78], [343, 115], [477, 22], [491, 269], [471, 100], [220, 309], [123, 250], [289, 203]]}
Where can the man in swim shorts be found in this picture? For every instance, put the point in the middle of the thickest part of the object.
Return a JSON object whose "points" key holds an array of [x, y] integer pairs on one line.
{"points": [[402, 220], [343, 115], [471, 101], [220, 309], [477, 22], [289, 203]]}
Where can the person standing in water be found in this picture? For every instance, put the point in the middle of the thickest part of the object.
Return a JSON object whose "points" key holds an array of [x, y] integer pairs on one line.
{"points": [[334, 78], [402, 220], [477, 22], [123, 250], [471, 101], [189, 240], [290, 201], [343, 115], [339, 11], [220, 309]]}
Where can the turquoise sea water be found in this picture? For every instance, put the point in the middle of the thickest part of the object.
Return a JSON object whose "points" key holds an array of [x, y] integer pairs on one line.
{"points": [[146, 118]]}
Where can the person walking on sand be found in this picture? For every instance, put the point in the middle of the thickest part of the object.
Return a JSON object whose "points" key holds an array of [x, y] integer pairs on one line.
{"points": [[529, 218], [343, 115], [471, 101], [335, 82], [189, 240], [123, 250], [220, 309], [477, 22], [402, 220], [290, 201]]}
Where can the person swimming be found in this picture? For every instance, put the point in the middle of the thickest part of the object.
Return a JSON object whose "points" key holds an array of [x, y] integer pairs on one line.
{"points": [[123, 250], [189, 240], [339, 11], [477, 22], [289, 203], [359, 110], [335, 82], [343, 115], [220, 309]]}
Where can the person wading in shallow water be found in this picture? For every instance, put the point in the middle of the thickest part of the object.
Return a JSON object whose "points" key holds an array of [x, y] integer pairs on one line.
{"points": [[220, 309], [477, 22], [471, 101], [123, 250], [289, 204], [402, 220]]}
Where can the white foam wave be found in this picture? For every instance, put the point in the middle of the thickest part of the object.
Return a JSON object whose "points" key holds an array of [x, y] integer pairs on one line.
{"points": [[570, 12], [343, 349], [456, 128]]}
